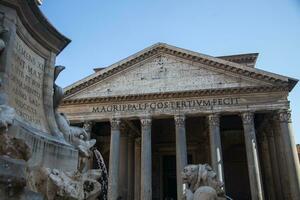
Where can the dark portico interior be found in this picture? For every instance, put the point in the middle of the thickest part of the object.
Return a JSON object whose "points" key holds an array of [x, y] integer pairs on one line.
{"points": [[198, 148]]}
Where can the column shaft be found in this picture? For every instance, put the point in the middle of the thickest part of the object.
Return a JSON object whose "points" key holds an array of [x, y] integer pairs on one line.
{"points": [[216, 146], [282, 163], [137, 171], [290, 153], [114, 160], [252, 157], [181, 152], [130, 184], [123, 164], [146, 160], [274, 164], [266, 166]]}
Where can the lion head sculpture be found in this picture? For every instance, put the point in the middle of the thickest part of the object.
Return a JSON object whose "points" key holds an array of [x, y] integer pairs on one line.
{"points": [[196, 176]]}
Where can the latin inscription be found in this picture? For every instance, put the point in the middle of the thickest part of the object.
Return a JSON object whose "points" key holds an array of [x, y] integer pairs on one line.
{"points": [[26, 84], [182, 104]]}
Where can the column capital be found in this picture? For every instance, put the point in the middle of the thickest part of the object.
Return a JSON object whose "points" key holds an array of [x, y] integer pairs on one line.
{"points": [[214, 119], [146, 121], [248, 117], [115, 123], [284, 116], [179, 120]]}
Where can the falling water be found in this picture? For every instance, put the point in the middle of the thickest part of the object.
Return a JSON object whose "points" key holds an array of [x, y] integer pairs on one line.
{"points": [[104, 177]]}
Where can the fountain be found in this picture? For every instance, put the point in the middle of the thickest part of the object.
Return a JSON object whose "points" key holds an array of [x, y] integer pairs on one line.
{"points": [[104, 176]]}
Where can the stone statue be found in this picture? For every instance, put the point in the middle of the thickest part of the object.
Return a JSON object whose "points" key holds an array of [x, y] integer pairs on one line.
{"points": [[55, 184], [59, 185], [74, 135], [201, 183], [7, 114], [2, 43]]}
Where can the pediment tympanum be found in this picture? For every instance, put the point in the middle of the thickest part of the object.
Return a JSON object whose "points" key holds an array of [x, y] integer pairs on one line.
{"points": [[166, 69]]}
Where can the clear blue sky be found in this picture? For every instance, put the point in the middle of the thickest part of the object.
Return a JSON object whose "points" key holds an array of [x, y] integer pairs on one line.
{"points": [[103, 32]]}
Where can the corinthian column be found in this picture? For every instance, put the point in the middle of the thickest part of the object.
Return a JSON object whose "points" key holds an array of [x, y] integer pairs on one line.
{"points": [[181, 152], [252, 157], [290, 152], [130, 183], [146, 160], [114, 160], [137, 169], [216, 146]]}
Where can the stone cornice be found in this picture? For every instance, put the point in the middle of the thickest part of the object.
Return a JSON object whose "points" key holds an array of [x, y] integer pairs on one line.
{"points": [[184, 54], [249, 59], [182, 94], [38, 25]]}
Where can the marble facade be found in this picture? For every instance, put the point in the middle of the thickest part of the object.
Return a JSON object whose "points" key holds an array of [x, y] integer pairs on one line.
{"points": [[166, 101]]}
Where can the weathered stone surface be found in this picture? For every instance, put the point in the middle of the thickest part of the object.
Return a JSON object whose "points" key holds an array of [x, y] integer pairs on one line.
{"points": [[164, 74], [14, 148], [201, 183], [26, 77], [28, 47], [13, 179], [58, 185]]}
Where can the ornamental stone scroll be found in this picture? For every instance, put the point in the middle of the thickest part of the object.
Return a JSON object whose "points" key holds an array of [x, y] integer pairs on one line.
{"points": [[214, 119], [179, 120], [146, 122], [115, 123], [284, 116], [248, 118]]}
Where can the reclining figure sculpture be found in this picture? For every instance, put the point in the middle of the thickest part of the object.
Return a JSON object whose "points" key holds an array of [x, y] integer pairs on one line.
{"points": [[201, 183]]}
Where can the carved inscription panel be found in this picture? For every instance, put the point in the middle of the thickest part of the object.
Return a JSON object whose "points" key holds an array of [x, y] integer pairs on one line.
{"points": [[26, 77]]}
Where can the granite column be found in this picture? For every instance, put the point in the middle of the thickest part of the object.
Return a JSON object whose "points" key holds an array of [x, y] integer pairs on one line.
{"points": [[137, 169], [114, 157], [290, 152], [130, 183], [181, 152], [146, 160], [252, 156], [216, 146]]}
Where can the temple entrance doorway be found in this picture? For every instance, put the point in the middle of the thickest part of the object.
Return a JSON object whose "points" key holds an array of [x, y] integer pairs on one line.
{"points": [[169, 177], [234, 158]]}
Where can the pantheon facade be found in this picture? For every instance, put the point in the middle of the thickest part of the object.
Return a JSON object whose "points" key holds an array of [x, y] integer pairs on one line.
{"points": [[165, 107]]}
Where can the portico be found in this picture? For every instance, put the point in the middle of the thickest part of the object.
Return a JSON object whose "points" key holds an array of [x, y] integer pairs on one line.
{"points": [[165, 107]]}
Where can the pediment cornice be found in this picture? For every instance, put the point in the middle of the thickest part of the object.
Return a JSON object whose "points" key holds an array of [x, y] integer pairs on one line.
{"points": [[161, 48], [182, 94]]}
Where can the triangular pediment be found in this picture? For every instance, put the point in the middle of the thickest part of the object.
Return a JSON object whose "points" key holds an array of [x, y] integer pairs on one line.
{"points": [[163, 69]]}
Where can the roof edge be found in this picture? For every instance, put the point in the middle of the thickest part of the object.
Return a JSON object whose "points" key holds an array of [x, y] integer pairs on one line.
{"points": [[183, 53]]}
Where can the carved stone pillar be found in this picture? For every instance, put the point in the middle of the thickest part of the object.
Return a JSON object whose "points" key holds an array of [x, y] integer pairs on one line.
{"points": [[266, 166], [114, 158], [123, 163], [137, 167], [130, 183], [252, 157], [216, 146], [181, 152], [282, 166], [290, 152], [146, 160], [274, 162]]}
